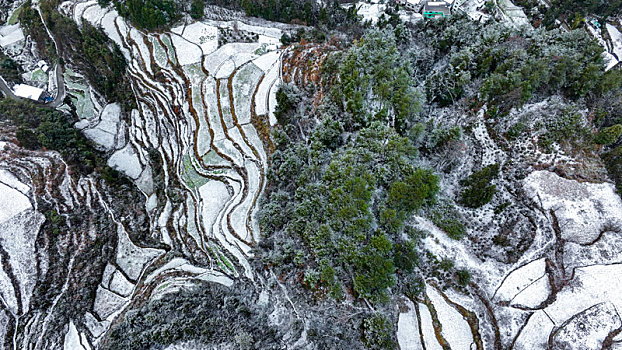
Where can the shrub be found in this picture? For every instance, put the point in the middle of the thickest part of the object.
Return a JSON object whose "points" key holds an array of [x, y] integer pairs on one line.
{"points": [[378, 333], [446, 264], [464, 277], [608, 135], [448, 220], [568, 128], [197, 9], [477, 188], [452, 227]]}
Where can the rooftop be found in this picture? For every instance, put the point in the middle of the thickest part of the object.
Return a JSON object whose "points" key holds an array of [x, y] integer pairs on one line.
{"points": [[27, 91], [436, 6]]}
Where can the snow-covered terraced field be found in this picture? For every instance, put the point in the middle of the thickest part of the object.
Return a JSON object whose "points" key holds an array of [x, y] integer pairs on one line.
{"points": [[198, 104], [202, 101]]}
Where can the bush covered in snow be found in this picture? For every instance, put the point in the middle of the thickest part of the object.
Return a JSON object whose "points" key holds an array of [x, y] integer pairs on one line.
{"points": [[208, 313]]}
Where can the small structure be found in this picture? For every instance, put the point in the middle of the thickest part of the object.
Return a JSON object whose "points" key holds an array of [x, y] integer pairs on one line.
{"points": [[43, 66], [433, 9], [412, 5], [595, 23], [32, 93]]}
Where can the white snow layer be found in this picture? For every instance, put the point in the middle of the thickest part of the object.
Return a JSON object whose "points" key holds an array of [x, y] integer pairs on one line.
{"points": [[206, 37], [584, 312], [456, 329], [408, 329], [12, 201], [427, 329], [126, 161], [19, 225], [105, 133], [519, 279], [582, 209], [616, 40], [72, 339]]}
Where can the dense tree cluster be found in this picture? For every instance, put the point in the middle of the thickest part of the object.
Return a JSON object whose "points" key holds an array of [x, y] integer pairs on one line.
{"points": [[33, 27], [572, 12], [341, 195], [374, 83], [10, 70], [44, 128], [508, 67], [344, 179], [147, 14], [312, 13], [212, 315]]}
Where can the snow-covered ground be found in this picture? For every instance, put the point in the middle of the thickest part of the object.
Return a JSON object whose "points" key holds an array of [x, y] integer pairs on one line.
{"points": [[427, 329], [370, 11], [472, 9], [106, 131], [408, 328], [11, 35], [583, 314], [514, 14], [583, 210], [19, 226], [520, 280], [616, 41], [126, 161], [613, 51], [455, 329], [74, 340]]}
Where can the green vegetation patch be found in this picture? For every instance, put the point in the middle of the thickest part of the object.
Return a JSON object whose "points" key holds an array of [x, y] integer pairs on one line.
{"points": [[607, 136], [448, 219], [10, 70], [478, 189], [148, 14], [378, 333], [209, 314], [44, 128], [190, 175], [339, 199], [14, 19]]}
